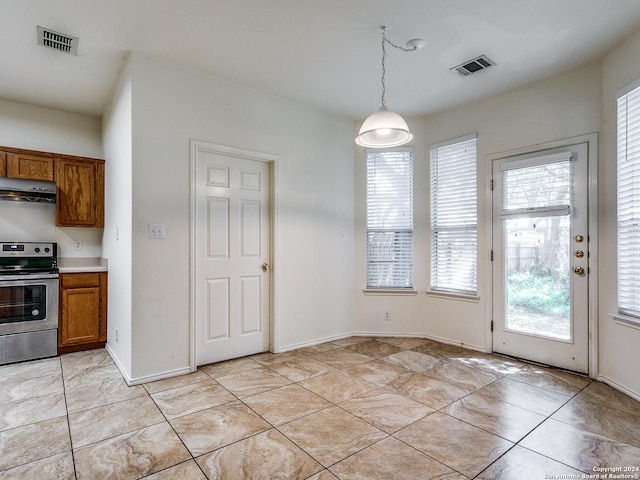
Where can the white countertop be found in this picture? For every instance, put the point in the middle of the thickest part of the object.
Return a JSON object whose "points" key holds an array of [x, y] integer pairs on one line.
{"points": [[82, 265]]}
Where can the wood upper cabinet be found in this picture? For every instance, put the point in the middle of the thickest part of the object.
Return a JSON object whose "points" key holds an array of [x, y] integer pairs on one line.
{"points": [[26, 165], [80, 182], [83, 311], [80, 201]]}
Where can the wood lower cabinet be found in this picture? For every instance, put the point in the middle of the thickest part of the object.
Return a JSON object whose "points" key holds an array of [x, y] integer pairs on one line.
{"points": [[82, 311]]}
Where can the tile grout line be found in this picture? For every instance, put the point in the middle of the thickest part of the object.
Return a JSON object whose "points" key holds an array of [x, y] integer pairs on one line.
{"points": [[387, 435], [331, 404], [392, 435], [66, 407]]}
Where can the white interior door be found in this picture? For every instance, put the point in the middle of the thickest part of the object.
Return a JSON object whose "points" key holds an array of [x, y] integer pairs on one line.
{"points": [[541, 257], [231, 264]]}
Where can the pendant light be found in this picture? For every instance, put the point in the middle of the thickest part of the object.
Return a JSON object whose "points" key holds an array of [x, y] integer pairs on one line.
{"points": [[384, 128]]}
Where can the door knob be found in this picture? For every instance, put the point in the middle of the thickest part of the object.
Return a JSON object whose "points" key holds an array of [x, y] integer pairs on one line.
{"points": [[579, 253], [265, 267], [579, 270], [579, 239]]}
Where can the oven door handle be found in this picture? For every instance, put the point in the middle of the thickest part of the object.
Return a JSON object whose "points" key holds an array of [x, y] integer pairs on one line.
{"points": [[13, 305]]}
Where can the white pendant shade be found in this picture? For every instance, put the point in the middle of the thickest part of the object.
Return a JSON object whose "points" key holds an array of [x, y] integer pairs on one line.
{"points": [[383, 129]]}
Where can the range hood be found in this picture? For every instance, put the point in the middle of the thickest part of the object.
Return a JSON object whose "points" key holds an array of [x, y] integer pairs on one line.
{"points": [[21, 190]]}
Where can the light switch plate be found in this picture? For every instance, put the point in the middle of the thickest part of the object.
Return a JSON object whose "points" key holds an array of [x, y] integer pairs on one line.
{"points": [[156, 230]]}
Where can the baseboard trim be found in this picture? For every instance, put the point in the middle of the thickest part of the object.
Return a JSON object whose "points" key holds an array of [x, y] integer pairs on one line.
{"points": [[295, 346], [618, 387], [388, 334], [421, 335], [132, 381], [116, 360]]}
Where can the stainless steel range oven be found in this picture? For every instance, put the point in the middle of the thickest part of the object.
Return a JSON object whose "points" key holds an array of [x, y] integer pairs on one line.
{"points": [[28, 301]]}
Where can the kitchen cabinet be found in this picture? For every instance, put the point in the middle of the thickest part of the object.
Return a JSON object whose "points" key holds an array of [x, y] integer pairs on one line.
{"points": [[80, 182], [80, 201], [82, 311], [28, 165]]}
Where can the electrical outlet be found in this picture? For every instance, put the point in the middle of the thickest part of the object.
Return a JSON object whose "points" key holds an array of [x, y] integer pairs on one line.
{"points": [[386, 316], [156, 230], [77, 245]]}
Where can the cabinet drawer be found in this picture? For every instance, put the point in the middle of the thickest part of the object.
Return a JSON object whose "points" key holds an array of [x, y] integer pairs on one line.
{"points": [[77, 280]]}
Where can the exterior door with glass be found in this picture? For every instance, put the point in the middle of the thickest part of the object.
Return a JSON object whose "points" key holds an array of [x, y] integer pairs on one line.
{"points": [[541, 257]]}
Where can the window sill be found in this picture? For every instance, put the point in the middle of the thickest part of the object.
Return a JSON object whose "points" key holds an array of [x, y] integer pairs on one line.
{"points": [[453, 296], [389, 291], [625, 320]]}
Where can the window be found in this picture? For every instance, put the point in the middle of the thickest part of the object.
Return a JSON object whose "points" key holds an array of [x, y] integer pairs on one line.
{"points": [[390, 219], [629, 201], [454, 216]]}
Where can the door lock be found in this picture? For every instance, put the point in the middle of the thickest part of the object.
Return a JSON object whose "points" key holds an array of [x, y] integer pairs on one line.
{"points": [[265, 267], [579, 239], [579, 270]]}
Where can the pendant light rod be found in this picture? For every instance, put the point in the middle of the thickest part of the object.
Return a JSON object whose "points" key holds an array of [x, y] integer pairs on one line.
{"points": [[384, 71], [412, 45], [383, 128]]}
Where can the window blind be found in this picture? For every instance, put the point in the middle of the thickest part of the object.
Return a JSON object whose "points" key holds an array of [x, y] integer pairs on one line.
{"points": [[390, 219], [628, 159], [544, 185], [454, 217]]}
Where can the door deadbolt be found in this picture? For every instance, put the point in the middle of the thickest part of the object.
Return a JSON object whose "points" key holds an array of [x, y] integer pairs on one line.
{"points": [[579, 239], [579, 270], [579, 253]]}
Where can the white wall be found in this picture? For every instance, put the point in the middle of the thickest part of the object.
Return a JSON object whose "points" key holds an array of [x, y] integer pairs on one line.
{"points": [[313, 268], [91, 239], [619, 358], [36, 128], [552, 109], [116, 244], [27, 222]]}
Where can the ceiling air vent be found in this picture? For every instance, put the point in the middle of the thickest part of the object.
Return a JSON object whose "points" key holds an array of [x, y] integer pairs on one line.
{"points": [[473, 66], [58, 41]]}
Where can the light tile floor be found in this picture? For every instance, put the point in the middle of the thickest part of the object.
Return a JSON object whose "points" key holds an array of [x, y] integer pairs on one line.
{"points": [[358, 408]]}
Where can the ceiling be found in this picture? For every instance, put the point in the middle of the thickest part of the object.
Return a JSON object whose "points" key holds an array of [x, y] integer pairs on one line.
{"points": [[323, 53]]}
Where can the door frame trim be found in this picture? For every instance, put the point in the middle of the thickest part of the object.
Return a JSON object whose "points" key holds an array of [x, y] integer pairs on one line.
{"points": [[591, 140], [271, 160]]}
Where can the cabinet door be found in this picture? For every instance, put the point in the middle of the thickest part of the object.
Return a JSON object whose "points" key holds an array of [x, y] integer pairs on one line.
{"points": [[83, 305], [76, 203], [33, 167], [80, 321], [3, 164], [99, 197]]}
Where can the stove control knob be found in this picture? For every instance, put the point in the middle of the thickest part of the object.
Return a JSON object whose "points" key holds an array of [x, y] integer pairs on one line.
{"points": [[35, 312], [37, 249], [46, 249]]}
